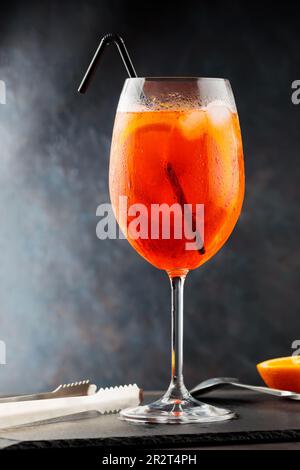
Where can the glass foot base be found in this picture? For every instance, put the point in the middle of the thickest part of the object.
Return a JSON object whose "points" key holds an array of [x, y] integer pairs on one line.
{"points": [[175, 411]]}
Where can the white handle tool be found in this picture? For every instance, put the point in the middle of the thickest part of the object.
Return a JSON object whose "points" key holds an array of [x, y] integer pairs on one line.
{"points": [[106, 400]]}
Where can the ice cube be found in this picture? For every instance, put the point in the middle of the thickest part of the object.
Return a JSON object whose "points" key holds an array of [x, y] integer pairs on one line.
{"points": [[218, 113], [192, 124]]}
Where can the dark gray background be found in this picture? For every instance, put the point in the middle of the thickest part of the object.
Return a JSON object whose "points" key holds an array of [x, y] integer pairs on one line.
{"points": [[72, 306]]}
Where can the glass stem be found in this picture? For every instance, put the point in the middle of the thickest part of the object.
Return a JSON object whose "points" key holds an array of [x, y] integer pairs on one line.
{"points": [[177, 388]]}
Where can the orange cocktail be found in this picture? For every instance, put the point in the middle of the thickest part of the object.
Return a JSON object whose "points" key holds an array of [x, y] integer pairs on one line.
{"points": [[176, 144], [176, 149], [198, 151]]}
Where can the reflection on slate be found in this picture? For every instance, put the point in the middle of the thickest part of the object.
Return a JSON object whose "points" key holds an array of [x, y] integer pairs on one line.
{"points": [[74, 307]]}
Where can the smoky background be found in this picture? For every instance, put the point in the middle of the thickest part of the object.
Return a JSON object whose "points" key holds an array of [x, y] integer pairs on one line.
{"points": [[74, 307]]}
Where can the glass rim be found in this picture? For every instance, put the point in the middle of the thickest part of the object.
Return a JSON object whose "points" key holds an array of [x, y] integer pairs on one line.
{"points": [[177, 78]]}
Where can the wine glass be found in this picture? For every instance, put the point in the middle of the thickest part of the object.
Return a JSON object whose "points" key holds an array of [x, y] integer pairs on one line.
{"points": [[176, 140]]}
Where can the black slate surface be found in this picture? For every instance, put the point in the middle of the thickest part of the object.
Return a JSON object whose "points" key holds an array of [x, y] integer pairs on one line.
{"points": [[261, 419]]}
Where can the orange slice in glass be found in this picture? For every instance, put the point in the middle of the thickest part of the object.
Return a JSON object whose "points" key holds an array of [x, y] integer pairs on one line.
{"points": [[282, 373]]}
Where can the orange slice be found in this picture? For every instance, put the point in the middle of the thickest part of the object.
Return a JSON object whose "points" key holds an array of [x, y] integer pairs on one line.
{"points": [[282, 373]]}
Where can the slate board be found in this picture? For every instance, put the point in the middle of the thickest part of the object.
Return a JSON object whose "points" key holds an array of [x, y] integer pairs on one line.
{"points": [[261, 419]]}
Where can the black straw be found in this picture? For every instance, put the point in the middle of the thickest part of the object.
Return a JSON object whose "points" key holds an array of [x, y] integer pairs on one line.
{"points": [[181, 199], [108, 39]]}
